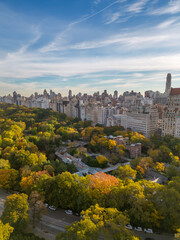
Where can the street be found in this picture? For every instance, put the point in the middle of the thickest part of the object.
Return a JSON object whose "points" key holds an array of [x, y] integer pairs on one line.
{"points": [[55, 221]]}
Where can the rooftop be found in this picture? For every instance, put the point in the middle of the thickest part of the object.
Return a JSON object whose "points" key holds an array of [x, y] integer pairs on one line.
{"points": [[175, 91]]}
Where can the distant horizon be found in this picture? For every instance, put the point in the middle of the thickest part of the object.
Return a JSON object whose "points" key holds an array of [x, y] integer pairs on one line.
{"points": [[88, 46], [65, 92], [74, 94]]}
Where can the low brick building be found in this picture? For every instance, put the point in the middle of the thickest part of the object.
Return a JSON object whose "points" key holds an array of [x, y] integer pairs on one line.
{"points": [[134, 149]]}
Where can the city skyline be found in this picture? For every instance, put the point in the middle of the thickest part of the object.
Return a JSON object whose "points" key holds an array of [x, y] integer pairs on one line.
{"points": [[88, 46]]}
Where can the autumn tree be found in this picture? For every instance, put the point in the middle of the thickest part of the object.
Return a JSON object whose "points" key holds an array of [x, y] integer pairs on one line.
{"points": [[121, 150], [98, 222], [5, 231], [101, 185], [125, 172], [8, 178], [89, 132], [36, 207], [159, 167], [33, 181], [16, 211], [102, 161], [4, 164], [177, 235]]}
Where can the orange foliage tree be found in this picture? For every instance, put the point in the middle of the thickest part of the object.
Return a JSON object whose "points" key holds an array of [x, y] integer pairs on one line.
{"points": [[103, 182]]}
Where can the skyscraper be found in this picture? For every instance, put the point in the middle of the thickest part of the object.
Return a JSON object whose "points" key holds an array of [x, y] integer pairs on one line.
{"points": [[115, 94], [168, 84], [70, 94]]}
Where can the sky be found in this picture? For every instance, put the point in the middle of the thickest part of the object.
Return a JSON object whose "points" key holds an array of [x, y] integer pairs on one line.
{"points": [[88, 45]]}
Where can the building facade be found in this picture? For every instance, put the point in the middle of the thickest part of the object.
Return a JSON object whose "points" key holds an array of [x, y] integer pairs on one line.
{"points": [[171, 115]]}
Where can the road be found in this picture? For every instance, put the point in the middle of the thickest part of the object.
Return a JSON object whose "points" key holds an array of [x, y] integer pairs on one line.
{"points": [[55, 221]]}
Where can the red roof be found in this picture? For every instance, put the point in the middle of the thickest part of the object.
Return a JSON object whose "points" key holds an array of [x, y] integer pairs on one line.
{"points": [[175, 91]]}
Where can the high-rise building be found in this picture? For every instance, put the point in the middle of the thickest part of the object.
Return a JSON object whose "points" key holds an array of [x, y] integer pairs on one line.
{"points": [[171, 115], [115, 94], [145, 123], [168, 84], [70, 94]]}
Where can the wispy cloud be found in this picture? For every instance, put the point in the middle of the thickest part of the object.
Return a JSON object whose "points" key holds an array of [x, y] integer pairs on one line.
{"points": [[173, 7], [168, 23], [115, 16], [97, 1], [54, 45], [137, 7]]}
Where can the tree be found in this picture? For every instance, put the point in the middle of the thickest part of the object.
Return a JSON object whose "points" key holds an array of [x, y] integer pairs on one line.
{"points": [[172, 171], [167, 203], [107, 223], [4, 164], [8, 178], [5, 231], [36, 207], [16, 211], [121, 150], [103, 182], [145, 163], [25, 236], [159, 167], [177, 235], [125, 172], [101, 185], [102, 161], [32, 182]]}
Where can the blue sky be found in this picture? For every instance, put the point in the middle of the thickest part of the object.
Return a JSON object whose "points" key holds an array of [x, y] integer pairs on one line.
{"points": [[88, 45]]}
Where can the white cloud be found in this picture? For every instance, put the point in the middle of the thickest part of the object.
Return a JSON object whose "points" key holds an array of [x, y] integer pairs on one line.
{"points": [[27, 68], [173, 7], [110, 81], [167, 23], [137, 7], [115, 16], [97, 1]]}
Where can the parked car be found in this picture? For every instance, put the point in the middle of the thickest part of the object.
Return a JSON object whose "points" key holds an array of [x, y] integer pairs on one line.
{"points": [[139, 229], [46, 205], [52, 208], [69, 212], [129, 227], [77, 214], [148, 230]]}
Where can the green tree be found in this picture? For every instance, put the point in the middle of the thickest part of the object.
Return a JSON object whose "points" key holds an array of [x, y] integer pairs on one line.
{"points": [[16, 211], [121, 150], [102, 161], [172, 171], [98, 222], [4, 164], [125, 172]]}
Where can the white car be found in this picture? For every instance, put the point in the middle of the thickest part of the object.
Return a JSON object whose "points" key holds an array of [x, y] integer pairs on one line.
{"points": [[46, 205], [129, 227], [52, 208], [148, 230], [69, 212], [139, 229]]}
